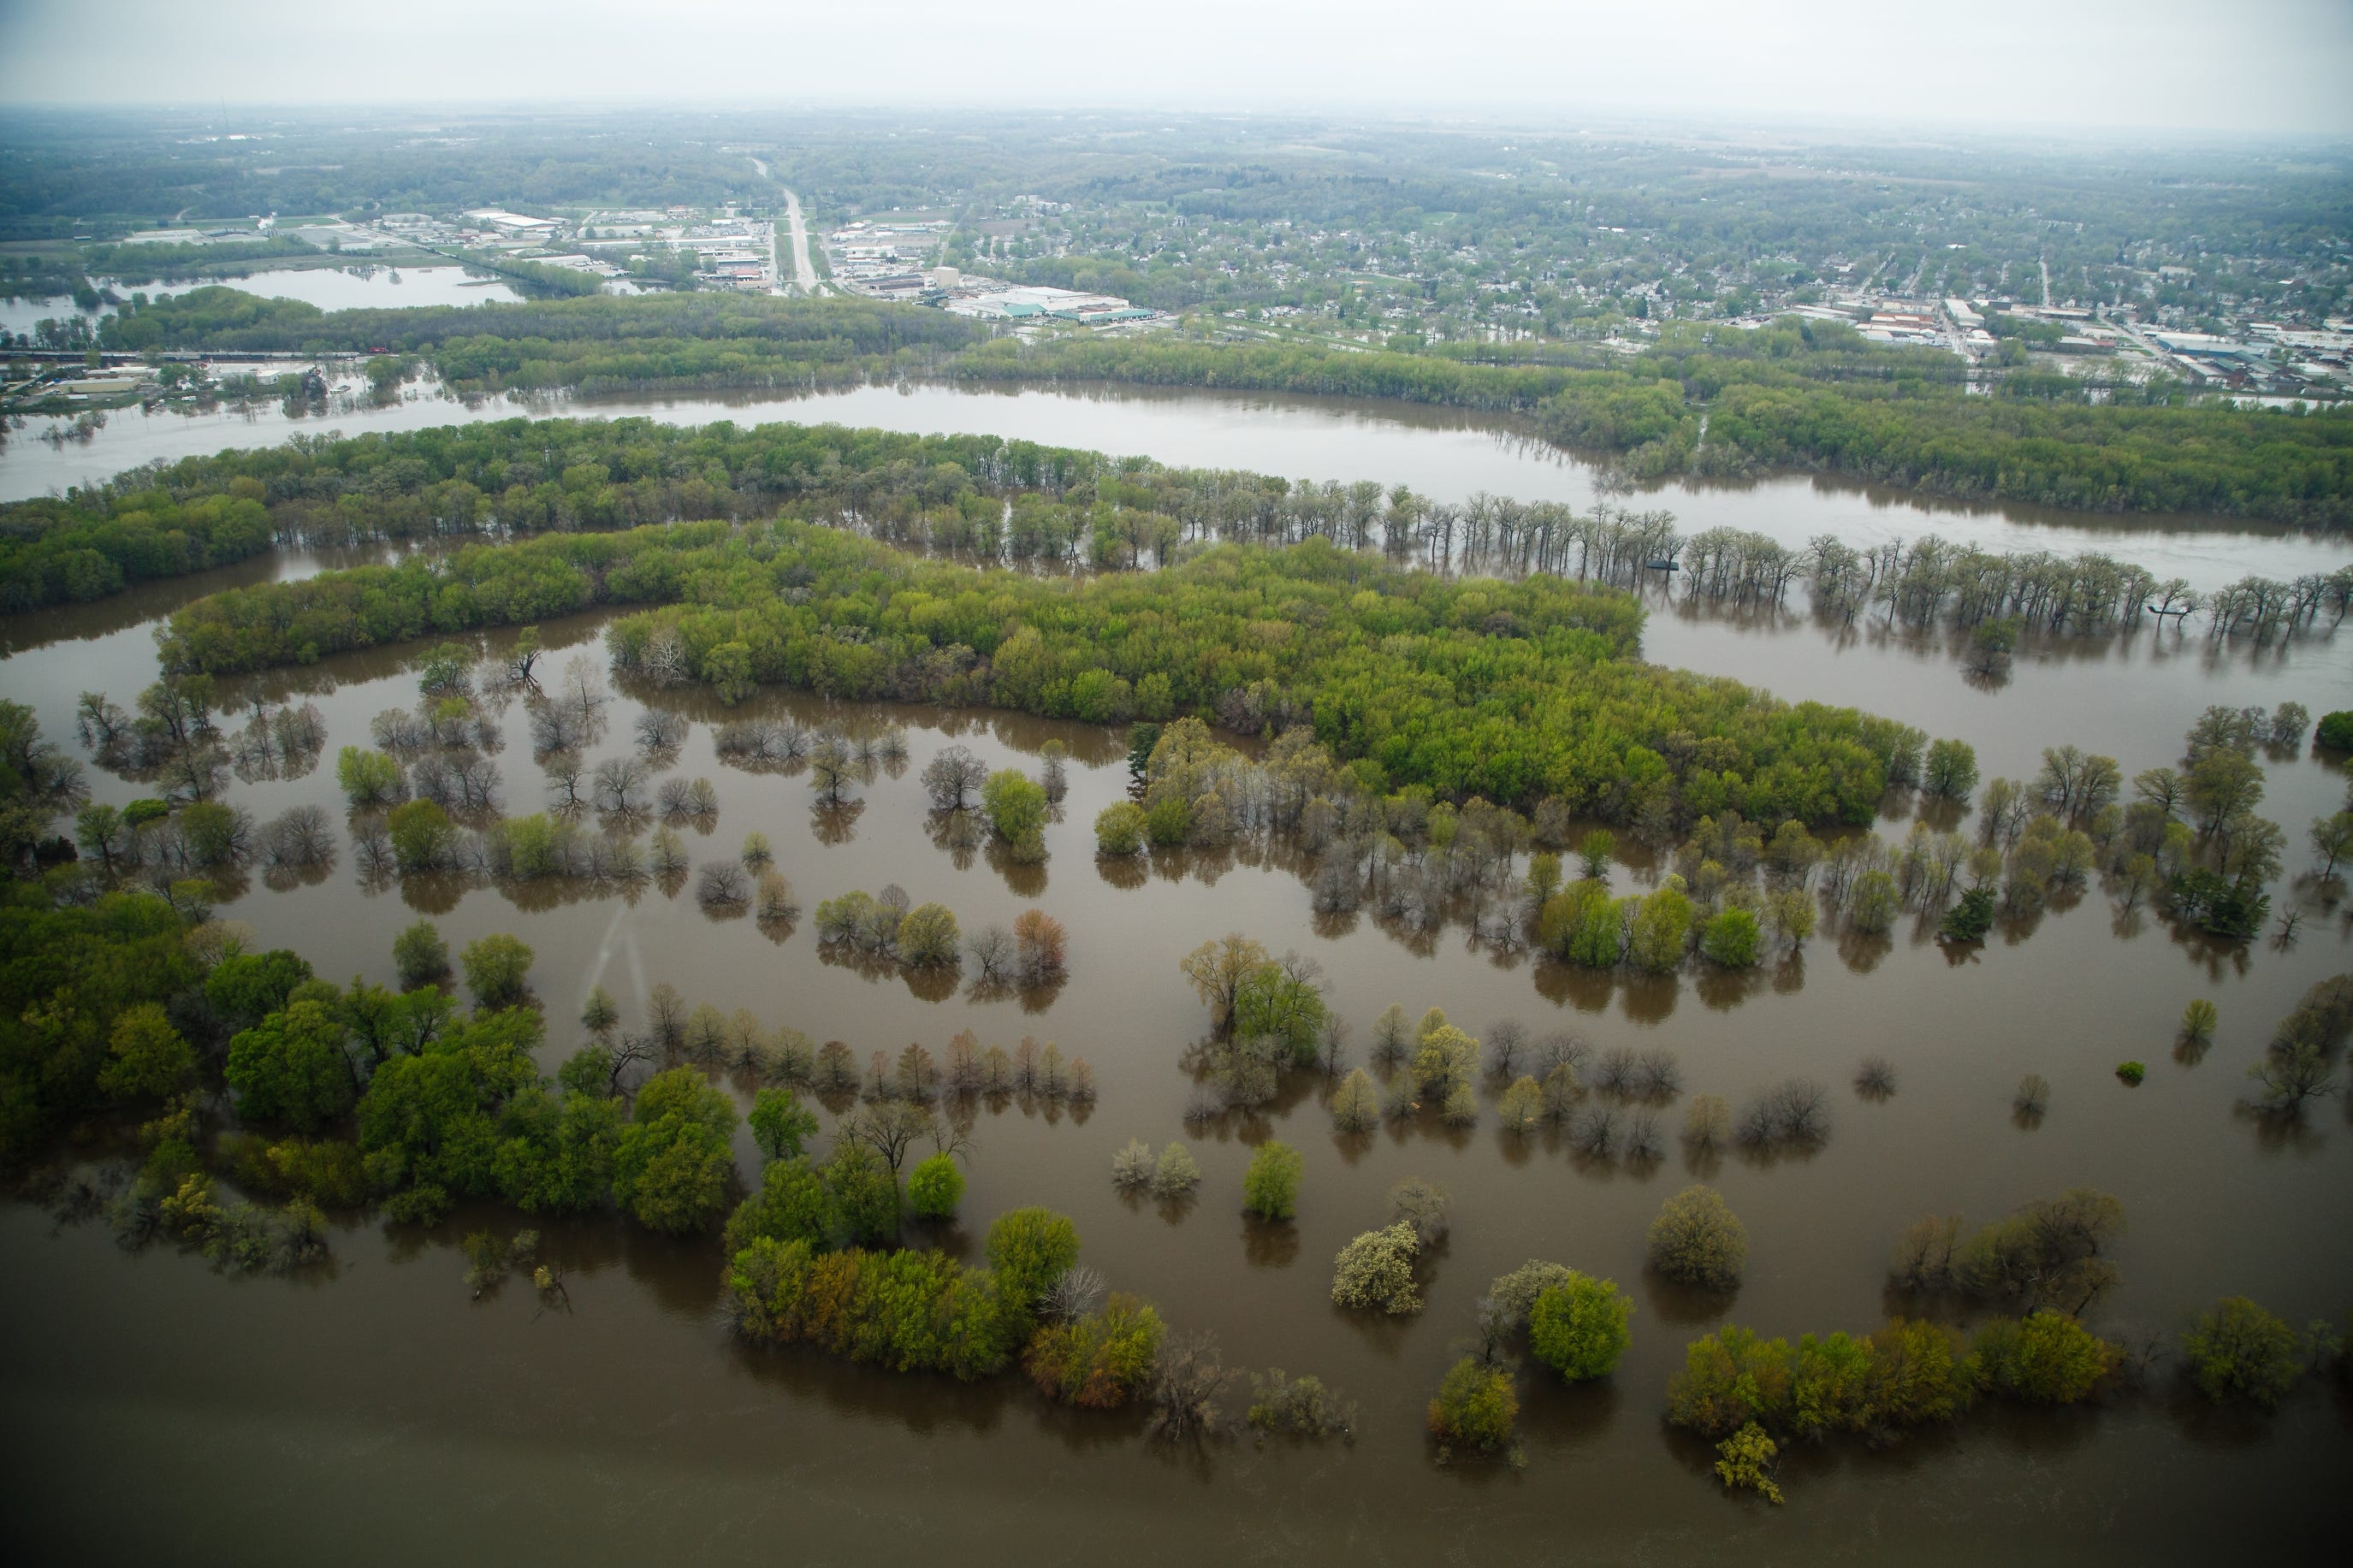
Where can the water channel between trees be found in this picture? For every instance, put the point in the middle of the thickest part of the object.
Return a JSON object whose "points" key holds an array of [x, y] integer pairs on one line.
{"points": [[379, 1404]]}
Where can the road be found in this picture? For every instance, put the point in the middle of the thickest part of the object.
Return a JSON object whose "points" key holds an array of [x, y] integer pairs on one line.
{"points": [[803, 270]]}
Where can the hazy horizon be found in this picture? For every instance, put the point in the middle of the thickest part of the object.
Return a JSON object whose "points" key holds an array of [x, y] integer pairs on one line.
{"points": [[2075, 68]]}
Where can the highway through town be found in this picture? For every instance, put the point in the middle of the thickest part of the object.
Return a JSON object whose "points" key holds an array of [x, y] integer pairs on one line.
{"points": [[803, 270]]}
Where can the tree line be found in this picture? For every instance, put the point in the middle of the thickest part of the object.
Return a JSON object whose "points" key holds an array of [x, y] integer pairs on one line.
{"points": [[595, 343], [1763, 406], [989, 500]]}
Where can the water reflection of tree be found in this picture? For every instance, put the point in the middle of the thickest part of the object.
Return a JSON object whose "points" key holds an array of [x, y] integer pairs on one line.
{"points": [[1124, 872], [1269, 1244], [1036, 998], [1023, 879], [835, 822]]}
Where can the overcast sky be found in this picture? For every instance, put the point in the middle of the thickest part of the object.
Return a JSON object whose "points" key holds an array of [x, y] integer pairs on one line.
{"points": [[2262, 66]]}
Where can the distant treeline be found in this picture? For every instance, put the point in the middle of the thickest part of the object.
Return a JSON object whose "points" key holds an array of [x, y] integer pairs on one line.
{"points": [[601, 344], [1763, 411], [1799, 395], [1509, 690]]}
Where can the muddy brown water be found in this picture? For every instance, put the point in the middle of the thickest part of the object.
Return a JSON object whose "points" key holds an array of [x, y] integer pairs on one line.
{"points": [[156, 1410]]}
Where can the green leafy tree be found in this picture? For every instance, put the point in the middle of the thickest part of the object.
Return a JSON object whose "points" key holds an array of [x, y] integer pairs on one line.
{"points": [[1270, 1186], [1744, 1462], [423, 836], [1099, 1361], [1476, 1408], [292, 1068], [2237, 1350], [1028, 1250], [781, 1125], [420, 956], [369, 780], [672, 1163], [1661, 929], [1119, 828], [1697, 1240], [934, 1188], [1951, 771], [1282, 1002], [928, 937], [1578, 1329], [498, 970], [1016, 806], [1595, 850], [2045, 1358], [1972, 917], [1731, 937], [861, 1194], [246, 987], [793, 1204], [147, 1058]]}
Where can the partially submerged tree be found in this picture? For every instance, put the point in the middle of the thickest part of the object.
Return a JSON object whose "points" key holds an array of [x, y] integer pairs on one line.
{"points": [[1697, 1240]]}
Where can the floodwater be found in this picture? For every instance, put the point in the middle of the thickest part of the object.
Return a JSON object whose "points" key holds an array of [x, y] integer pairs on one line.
{"points": [[23, 312], [375, 286], [1446, 454], [382, 1405], [361, 284]]}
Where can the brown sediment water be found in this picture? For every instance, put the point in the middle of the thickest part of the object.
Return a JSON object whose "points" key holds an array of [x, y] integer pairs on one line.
{"points": [[153, 1409]]}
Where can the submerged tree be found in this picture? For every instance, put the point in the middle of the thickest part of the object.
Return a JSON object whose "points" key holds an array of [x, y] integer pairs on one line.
{"points": [[1697, 1240]]}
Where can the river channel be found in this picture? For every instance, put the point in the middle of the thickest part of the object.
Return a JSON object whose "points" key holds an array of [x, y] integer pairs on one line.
{"points": [[155, 1410]]}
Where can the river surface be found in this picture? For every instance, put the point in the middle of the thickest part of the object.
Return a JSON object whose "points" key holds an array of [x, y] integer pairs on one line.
{"points": [[391, 1414]]}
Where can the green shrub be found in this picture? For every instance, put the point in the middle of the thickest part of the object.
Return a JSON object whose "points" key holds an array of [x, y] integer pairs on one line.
{"points": [[928, 937], [290, 1067], [908, 1311], [146, 1057], [1270, 1186], [2045, 1358], [1697, 1240], [498, 970], [1376, 1271], [2239, 1350], [1970, 919], [2336, 730], [420, 956], [1476, 1408], [792, 1205], [1731, 939], [1119, 828], [1909, 1373], [1016, 806], [780, 1123], [1745, 1463], [672, 1165], [1578, 1329], [1099, 1363], [934, 1188], [2131, 1072], [1029, 1249]]}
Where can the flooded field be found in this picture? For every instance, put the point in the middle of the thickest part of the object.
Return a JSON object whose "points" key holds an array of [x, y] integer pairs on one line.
{"points": [[375, 286], [634, 1426]]}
